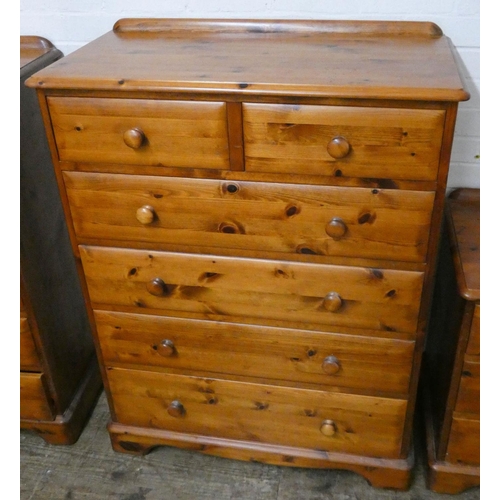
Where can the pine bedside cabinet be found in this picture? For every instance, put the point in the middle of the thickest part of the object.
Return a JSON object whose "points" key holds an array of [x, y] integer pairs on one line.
{"points": [[451, 369], [60, 378], [256, 209]]}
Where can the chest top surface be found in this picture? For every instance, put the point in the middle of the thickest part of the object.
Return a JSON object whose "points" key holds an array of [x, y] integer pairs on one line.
{"points": [[344, 59], [33, 48]]}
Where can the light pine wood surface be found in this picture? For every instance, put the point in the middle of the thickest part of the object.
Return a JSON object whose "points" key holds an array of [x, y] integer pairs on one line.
{"points": [[91, 469], [283, 218], [241, 140]]}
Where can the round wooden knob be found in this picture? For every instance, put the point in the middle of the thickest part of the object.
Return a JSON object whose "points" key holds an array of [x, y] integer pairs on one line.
{"points": [[338, 147], [331, 365], [328, 427], [332, 302], [134, 138], [176, 409], [146, 214], [336, 228], [166, 348], [157, 287]]}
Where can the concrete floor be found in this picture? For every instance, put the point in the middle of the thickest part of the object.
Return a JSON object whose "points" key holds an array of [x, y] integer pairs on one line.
{"points": [[90, 469]]}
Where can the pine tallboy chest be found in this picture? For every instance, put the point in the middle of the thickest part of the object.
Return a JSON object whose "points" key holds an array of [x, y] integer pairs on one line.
{"points": [[256, 208], [59, 373], [451, 361]]}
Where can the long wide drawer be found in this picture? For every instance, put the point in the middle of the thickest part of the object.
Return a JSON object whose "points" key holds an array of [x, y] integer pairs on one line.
{"points": [[141, 131], [382, 224], [34, 398], [221, 287], [352, 361], [260, 413], [385, 143]]}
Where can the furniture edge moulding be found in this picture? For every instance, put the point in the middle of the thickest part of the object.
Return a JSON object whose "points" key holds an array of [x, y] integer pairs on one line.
{"points": [[279, 26], [274, 31]]}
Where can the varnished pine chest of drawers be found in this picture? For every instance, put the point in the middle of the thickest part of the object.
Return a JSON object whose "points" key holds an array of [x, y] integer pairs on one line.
{"points": [[452, 354], [59, 373], [255, 206]]}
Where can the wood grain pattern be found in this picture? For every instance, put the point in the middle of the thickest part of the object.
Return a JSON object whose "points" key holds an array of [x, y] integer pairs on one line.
{"points": [[66, 428], [28, 354], [444, 477], [284, 218], [474, 344], [372, 298], [468, 398], [247, 252], [255, 412], [375, 63], [32, 48], [384, 143], [366, 363], [464, 441], [277, 26], [34, 398], [463, 215], [177, 133]]}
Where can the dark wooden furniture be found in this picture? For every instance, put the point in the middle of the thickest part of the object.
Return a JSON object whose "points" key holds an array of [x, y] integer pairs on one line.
{"points": [[60, 379], [256, 206], [451, 371]]}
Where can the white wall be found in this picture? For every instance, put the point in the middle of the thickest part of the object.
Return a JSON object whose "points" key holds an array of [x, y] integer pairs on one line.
{"points": [[69, 24]]}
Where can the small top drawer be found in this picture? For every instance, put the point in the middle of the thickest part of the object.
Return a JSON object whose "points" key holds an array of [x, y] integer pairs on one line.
{"points": [[141, 131], [341, 141]]}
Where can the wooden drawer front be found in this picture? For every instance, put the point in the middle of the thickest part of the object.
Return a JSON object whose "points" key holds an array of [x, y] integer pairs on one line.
{"points": [[29, 357], [365, 142], [261, 413], [365, 363], [463, 444], [473, 346], [469, 393], [218, 287], [174, 133], [34, 399], [387, 224]]}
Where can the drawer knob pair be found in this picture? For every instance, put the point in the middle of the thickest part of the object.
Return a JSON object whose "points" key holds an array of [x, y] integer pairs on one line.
{"points": [[332, 302], [146, 214], [134, 138], [338, 147]]}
